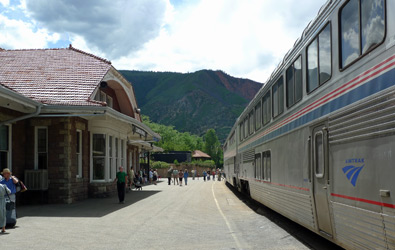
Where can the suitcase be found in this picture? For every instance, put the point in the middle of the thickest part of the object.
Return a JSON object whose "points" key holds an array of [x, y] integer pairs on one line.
{"points": [[11, 218]]}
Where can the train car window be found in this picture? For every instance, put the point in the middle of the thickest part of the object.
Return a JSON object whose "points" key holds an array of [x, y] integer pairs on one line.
{"points": [[251, 122], [278, 97], [241, 132], [266, 162], [319, 59], [258, 116], [246, 127], [266, 108], [319, 154], [232, 139], [312, 66], [325, 54], [257, 166], [294, 82], [362, 28]]}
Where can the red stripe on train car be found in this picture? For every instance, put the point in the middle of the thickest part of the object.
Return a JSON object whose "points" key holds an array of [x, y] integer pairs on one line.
{"points": [[364, 200]]}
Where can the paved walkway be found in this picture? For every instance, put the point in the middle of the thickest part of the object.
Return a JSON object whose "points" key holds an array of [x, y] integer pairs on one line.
{"points": [[202, 215]]}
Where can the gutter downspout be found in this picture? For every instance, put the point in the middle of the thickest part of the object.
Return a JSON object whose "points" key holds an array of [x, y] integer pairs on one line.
{"points": [[24, 117]]}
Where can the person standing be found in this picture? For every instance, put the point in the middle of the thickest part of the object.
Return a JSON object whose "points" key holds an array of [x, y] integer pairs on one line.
{"points": [[4, 191], [169, 174], [150, 176], [131, 177], [204, 175], [10, 181], [186, 174], [175, 176], [155, 178], [180, 176], [122, 180], [213, 174]]}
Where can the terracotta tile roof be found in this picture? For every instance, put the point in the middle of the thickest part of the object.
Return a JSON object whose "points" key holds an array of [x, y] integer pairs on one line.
{"points": [[53, 76], [199, 154]]}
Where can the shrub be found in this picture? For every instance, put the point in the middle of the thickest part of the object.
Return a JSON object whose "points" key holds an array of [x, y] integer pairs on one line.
{"points": [[176, 162], [205, 164], [159, 164]]}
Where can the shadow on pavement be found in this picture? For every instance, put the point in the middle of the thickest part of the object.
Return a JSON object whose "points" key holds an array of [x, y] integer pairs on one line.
{"points": [[304, 235], [88, 208]]}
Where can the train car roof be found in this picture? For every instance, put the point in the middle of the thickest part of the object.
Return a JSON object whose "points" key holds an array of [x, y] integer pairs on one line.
{"points": [[308, 33]]}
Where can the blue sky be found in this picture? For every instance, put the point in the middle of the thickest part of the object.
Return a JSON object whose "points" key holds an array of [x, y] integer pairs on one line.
{"points": [[245, 38]]}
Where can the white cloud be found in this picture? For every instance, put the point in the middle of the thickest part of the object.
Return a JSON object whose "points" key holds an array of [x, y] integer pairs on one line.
{"points": [[243, 38], [5, 3], [115, 27], [17, 34]]}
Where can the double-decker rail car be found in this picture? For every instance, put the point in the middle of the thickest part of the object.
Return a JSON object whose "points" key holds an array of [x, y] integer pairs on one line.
{"points": [[317, 142]]}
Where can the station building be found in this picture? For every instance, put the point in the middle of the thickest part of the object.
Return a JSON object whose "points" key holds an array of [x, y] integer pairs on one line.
{"points": [[68, 120]]}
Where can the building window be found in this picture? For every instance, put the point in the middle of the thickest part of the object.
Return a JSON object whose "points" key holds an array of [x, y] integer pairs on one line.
{"points": [[266, 162], [41, 148], [109, 101], [266, 110], [362, 28], [319, 59], [258, 116], [5, 141], [294, 82], [278, 97], [116, 153], [111, 157], [98, 156], [79, 153], [103, 97], [123, 155]]}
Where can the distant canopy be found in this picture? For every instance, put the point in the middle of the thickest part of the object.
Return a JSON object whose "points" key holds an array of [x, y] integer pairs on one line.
{"points": [[200, 155]]}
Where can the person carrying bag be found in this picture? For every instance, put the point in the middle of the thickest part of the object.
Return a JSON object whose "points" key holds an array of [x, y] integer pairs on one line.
{"points": [[4, 206]]}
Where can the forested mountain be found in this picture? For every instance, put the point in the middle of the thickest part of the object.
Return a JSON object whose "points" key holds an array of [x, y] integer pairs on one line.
{"points": [[192, 102]]}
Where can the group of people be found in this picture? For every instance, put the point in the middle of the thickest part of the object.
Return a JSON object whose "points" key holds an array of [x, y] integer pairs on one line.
{"points": [[176, 176], [207, 175], [128, 180], [8, 189]]}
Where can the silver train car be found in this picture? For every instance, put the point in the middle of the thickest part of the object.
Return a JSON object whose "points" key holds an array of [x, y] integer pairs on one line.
{"points": [[317, 142]]}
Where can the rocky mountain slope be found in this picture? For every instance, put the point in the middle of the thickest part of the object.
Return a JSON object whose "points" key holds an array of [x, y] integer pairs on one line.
{"points": [[192, 102]]}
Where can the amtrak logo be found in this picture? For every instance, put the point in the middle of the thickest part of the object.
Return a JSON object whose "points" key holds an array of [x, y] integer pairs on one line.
{"points": [[352, 171]]}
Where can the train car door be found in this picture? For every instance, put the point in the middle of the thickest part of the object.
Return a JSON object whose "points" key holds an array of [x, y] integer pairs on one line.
{"points": [[321, 178]]}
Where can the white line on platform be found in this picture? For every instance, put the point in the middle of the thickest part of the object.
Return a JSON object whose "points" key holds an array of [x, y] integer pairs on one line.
{"points": [[225, 219]]}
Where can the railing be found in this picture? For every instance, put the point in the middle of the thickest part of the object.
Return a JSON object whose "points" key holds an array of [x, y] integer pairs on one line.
{"points": [[36, 179]]}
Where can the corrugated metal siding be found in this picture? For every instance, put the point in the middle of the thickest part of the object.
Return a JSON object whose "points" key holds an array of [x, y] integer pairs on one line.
{"points": [[249, 155], [293, 205], [358, 228], [369, 119], [389, 226]]}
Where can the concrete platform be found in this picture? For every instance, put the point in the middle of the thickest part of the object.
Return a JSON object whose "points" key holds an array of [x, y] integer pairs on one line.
{"points": [[202, 215]]}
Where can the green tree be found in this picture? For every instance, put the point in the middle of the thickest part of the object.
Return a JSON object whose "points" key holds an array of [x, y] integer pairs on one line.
{"points": [[213, 148], [173, 140]]}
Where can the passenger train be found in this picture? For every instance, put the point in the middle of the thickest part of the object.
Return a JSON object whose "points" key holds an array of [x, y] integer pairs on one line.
{"points": [[317, 142]]}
